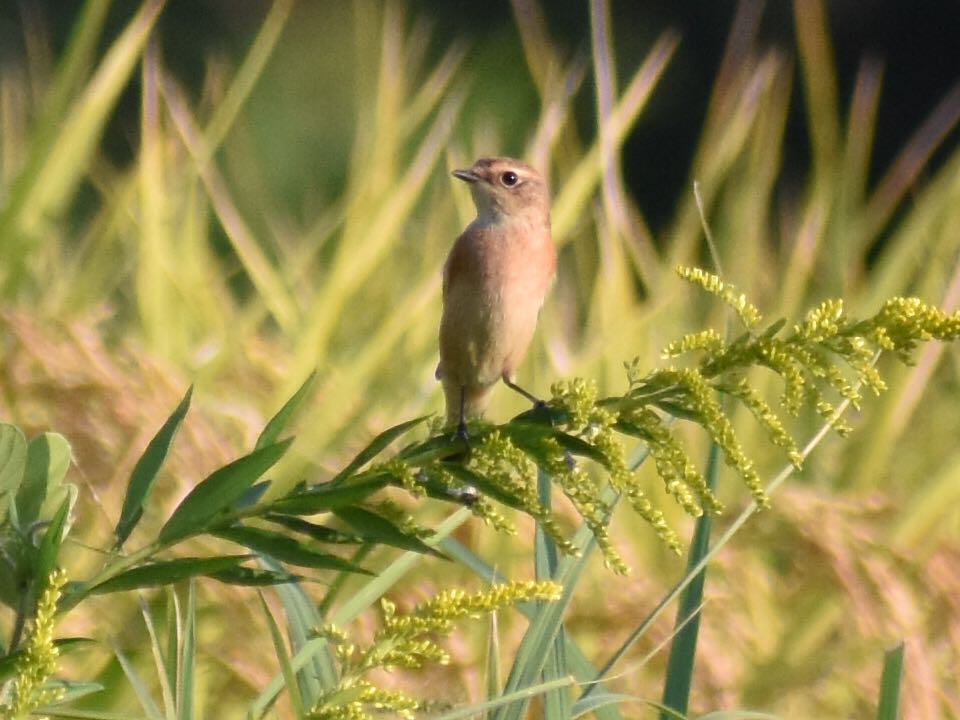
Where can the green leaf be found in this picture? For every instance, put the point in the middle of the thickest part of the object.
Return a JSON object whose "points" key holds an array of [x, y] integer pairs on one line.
{"points": [[50, 545], [218, 492], [285, 549], [320, 533], [13, 463], [378, 529], [376, 446], [253, 577], [48, 458], [437, 447], [166, 572], [888, 708], [484, 486], [323, 498], [577, 446], [279, 421], [145, 471]]}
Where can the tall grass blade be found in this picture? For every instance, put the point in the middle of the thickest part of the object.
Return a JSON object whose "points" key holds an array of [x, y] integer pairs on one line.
{"points": [[186, 679], [888, 707], [139, 685], [683, 650], [318, 673], [556, 703], [161, 664], [544, 629], [172, 665], [44, 193], [283, 657], [521, 696]]}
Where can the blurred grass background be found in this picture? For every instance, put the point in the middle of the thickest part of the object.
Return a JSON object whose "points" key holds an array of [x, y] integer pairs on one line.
{"points": [[238, 206]]}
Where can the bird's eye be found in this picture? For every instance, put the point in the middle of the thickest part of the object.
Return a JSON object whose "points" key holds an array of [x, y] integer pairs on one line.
{"points": [[509, 178]]}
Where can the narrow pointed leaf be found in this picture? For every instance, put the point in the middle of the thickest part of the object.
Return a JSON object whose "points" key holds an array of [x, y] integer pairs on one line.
{"points": [[320, 533], [376, 446], [166, 572], [271, 432], [435, 448], [50, 545], [219, 491], [484, 486], [323, 498], [285, 549], [377, 529], [145, 471], [575, 445], [253, 577]]}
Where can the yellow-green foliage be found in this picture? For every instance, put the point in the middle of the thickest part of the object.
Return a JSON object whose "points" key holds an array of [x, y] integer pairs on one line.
{"points": [[827, 353], [406, 641], [38, 662]]}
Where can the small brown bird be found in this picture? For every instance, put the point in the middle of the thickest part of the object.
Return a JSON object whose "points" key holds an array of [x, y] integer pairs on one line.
{"points": [[494, 283]]}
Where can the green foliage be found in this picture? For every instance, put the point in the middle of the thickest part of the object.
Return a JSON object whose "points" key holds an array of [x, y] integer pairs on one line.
{"points": [[35, 505]]}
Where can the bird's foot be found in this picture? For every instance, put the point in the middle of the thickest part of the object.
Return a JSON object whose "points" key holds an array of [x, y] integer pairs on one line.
{"points": [[463, 433], [538, 404]]}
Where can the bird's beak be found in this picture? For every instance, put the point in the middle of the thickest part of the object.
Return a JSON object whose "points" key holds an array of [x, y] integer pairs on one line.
{"points": [[466, 175]]}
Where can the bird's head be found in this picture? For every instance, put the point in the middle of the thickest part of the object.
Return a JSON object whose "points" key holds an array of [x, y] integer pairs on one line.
{"points": [[504, 188]]}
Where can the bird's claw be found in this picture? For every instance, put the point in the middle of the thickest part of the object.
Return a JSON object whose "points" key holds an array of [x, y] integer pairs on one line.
{"points": [[463, 433]]}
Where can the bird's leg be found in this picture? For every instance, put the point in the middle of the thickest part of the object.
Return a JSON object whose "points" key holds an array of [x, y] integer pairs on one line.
{"points": [[538, 404], [462, 425]]}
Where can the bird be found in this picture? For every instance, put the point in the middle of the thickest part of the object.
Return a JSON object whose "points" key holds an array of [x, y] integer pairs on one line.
{"points": [[495, 280]]}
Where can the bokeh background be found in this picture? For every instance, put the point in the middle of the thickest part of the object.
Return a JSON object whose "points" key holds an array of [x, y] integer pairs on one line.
{"points": [[234, 194]]}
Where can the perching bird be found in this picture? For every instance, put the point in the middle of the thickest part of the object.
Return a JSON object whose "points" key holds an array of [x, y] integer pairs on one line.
{"points": [[494, 283]]}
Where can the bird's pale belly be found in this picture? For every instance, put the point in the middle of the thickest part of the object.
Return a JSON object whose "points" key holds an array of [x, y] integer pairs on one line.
{"points": [[485, 335]]}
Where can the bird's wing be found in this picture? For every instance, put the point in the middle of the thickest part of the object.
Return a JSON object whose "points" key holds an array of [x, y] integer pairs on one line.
{"points": [[458, 262]]}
